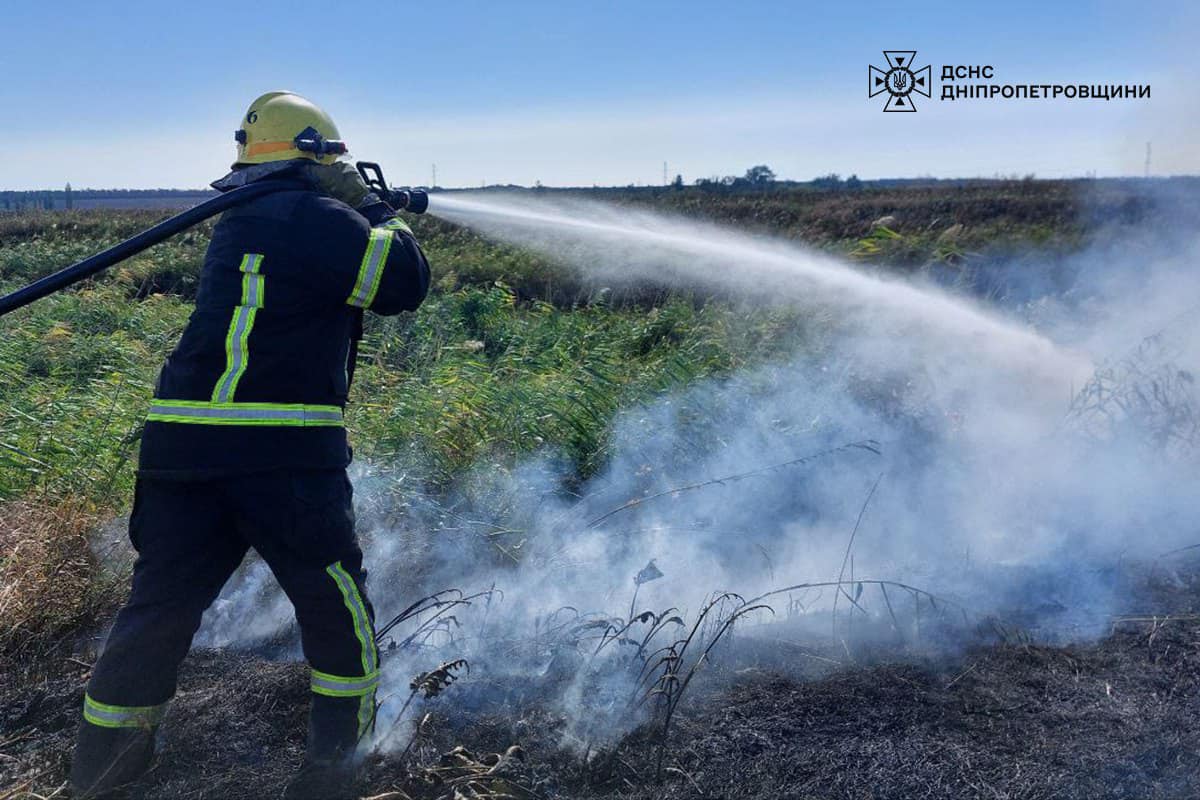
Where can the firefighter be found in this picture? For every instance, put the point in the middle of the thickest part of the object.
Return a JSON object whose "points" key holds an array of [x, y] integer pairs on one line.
{"points": [[244, 447]]}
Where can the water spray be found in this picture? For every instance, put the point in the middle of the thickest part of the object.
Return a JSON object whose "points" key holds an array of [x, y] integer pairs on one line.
{"points": [[626, 245]]}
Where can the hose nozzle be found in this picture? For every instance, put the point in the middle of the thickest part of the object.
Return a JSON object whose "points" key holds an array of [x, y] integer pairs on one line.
{"points": [[414, 201]]}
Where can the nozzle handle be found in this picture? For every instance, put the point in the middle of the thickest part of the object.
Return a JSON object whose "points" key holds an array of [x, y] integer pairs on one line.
{"points": [[415, 201], [372, 175]]}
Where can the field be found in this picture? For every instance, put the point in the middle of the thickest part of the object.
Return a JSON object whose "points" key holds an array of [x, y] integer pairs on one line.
{"points": [[518, 358]]}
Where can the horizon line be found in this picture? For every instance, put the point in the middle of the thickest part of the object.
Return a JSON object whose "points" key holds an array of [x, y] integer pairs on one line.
{"points": [[692, 185]]}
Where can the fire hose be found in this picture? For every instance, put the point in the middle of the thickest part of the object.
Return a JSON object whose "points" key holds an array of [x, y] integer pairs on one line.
{"points": [[413, 200]]}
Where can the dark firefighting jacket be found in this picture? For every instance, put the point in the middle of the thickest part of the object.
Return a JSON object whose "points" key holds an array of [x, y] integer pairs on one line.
{"points": [[260, 376]]}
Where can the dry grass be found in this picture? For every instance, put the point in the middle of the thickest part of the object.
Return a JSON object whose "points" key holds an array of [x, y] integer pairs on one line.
{"points": [[49, 580]]}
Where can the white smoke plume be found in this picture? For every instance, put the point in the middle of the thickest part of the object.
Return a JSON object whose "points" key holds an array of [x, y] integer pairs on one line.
{"points": [[1024, 453]]}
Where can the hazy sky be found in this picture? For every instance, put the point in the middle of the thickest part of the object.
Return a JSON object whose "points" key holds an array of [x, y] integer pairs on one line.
{"points": [[147, 94]]}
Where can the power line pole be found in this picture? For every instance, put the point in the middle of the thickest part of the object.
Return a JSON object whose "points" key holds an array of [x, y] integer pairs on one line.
{"points": [[1147, 160], [434, 184], [665, 181]]}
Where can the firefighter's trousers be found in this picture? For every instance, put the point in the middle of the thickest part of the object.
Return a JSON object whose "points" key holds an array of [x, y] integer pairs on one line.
{"points": [[190, 536]]}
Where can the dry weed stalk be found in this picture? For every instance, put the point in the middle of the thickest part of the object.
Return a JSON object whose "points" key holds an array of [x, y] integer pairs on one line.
{"points": [[463, 775], [869, 445], [440, 604], [655, 622], [1145, 398], [433, 683], [938, 605], [665, 678], [841, 590], [430, 685]]}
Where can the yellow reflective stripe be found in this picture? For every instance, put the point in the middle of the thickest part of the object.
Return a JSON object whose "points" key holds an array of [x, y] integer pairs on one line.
{"points": [[271, 406], [343, 687], [339, 686], [237, 350], [261, 423], [358, 615], [366, 714], [200, 412], [370, 272], [110, 716], [237, 354], [396, 224]]}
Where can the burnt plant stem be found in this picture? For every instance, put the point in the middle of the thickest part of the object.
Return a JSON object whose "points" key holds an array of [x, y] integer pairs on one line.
{"points": [[668, 685], [913, 590], [866, 444], [891, 612], [849, 547]]}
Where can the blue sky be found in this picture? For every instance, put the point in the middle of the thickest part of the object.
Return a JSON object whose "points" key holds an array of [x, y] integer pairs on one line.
{"points": [[141, 94]]}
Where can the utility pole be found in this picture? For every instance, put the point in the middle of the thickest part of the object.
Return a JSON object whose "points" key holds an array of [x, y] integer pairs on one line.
{"points": [[434, 184], [665, 181], [1147, 160]]}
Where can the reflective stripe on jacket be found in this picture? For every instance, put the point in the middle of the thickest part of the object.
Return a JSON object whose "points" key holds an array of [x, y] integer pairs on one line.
{"points": [[260, 376]]}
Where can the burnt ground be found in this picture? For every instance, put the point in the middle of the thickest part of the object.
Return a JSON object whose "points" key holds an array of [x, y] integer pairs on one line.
{"points": [[1114, 718]]}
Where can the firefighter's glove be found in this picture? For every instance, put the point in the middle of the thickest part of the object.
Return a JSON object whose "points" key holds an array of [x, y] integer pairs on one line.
{"points": [[340, 180]]}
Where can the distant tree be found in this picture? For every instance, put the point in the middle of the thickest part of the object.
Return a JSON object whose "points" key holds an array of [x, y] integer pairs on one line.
{"points": [[830, 181], [853, 183], [760, 175], [678, 182], [70, 200]]}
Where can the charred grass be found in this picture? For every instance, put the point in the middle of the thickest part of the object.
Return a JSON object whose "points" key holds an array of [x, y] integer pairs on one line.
{"points": [[1113, 718]]}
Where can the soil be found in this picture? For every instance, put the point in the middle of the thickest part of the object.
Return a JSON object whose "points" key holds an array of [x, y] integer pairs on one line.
{"points": [[1114, 718]]}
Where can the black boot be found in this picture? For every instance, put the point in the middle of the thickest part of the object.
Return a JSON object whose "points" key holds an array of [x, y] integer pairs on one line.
{"points": [[323, 779], [330, 764], [109, 758]]}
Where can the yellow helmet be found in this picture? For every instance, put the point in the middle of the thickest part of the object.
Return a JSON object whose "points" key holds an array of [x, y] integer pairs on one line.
{"points": [[281, 125]]}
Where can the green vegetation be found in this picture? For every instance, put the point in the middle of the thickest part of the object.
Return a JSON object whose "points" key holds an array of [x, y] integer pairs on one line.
{"points": [[477, 374], [512, 354], [485, 369]]}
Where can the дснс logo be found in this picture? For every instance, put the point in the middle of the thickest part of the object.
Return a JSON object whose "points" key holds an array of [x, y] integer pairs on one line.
{"points": [[900, 80]]}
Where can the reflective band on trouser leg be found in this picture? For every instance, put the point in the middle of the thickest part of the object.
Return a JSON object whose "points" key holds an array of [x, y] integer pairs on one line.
{"points": [[204, 413], [108, 716], [366, 640], [371, 270], [347, 688], [340, 686], [237, 353]]}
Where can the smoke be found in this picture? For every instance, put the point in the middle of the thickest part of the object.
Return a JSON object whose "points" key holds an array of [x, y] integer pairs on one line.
{"points": [[1023, 456]]}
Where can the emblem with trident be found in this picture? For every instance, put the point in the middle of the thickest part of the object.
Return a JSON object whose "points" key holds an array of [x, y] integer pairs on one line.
{"points": [[900, 80]]}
